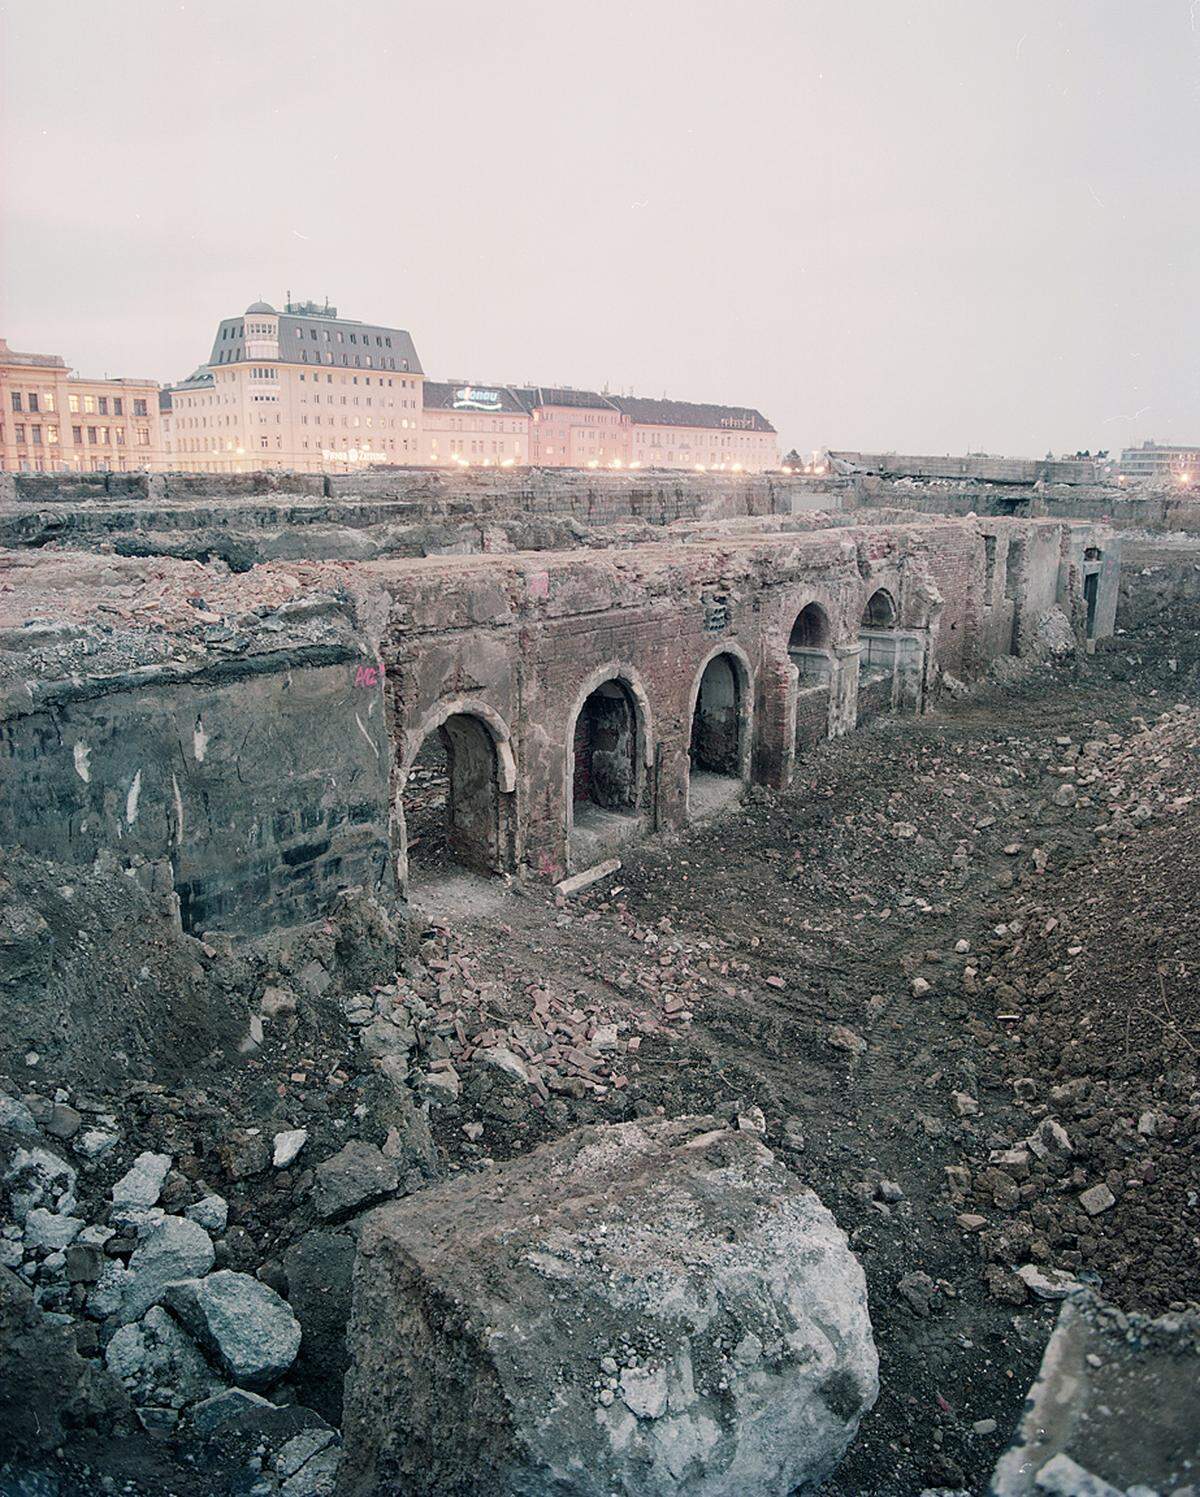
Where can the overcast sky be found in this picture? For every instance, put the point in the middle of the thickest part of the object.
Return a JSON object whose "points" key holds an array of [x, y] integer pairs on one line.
{"points": [[920, 225]]}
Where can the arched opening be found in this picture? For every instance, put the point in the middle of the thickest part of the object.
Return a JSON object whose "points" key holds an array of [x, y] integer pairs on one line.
{"points": [[810, 651], [451, 802], [603, 772], [809, 641], [877, 656], [717, 748]]}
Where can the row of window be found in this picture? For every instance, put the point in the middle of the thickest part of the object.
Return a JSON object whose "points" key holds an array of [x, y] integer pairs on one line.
{"points": [[103, 436], [38, 401]]}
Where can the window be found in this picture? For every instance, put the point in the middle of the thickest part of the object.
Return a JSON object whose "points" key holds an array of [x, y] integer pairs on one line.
{"points": [[19, 432], [118, 406], [139, 407], [33, 401], [48, 400], [89, 405], [143, 436], [16, 400], [104, 436], [52, 436], [37, 436], [77, 434], [119, 434], [91, 436], [103, 402]]}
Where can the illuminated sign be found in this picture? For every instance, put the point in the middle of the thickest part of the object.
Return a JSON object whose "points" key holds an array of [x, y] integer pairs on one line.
{"points": [[472, 398], [740, 423], [353, 455]]}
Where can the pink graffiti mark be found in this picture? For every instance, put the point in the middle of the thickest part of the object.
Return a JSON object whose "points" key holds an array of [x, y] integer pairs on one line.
{"points": [[368, 675]]}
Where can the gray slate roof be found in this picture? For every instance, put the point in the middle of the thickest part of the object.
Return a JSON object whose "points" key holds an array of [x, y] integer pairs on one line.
{"points": [[645, 412], [303, 340]]}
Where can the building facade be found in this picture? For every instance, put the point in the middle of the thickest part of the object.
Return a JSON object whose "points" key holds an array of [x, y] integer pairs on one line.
{"points": [[681, 434], [1153, 460], [303, 390], [559, 427], [53, 421], [473, 426]]}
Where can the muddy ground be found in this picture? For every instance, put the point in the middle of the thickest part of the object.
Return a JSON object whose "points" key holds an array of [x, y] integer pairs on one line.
{"points": [[913, 961]]}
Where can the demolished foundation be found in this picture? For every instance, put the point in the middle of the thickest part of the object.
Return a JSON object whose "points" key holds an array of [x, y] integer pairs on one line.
{"points": [[243, 740]]}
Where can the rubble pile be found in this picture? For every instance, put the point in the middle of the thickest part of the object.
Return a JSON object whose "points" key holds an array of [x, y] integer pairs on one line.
{"points": [[1096, 1000]]}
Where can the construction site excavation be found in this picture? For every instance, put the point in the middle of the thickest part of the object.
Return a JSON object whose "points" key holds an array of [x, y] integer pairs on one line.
{"points": [[541, 982]]}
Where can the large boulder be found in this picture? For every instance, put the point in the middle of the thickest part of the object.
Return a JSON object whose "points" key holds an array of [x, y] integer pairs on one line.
{"points": [[242, 1323], [173, 1248], [652, 1308]]}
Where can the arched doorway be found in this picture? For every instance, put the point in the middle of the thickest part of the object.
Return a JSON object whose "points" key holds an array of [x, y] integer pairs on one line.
{"points": [[877, 656], [718, 746], [810, 649], [603, 772], [451, 801]]}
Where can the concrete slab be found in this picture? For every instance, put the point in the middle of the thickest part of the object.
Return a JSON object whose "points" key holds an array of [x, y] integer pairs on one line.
{"points": [[1117, 1399]]}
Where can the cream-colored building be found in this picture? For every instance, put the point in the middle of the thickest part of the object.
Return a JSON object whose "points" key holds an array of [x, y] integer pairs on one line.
{"points": [[682, 434], [52, 421], [303, 390], [469, 425]]}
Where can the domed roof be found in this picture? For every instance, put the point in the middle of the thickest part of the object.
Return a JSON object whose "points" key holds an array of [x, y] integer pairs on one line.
{"points": [[260, 306]]}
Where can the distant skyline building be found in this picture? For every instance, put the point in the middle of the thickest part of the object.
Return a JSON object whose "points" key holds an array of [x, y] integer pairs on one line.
{"points": [[303, 390], [1154, 460], [54, 421], [307, 390]]}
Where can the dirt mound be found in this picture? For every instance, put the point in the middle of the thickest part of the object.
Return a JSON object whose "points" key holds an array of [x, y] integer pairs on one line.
{"points": [[97, 982]]}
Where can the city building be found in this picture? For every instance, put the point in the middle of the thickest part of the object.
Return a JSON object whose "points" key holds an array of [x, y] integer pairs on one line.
{"points": [[559, 427], [573, 428], [473, 425], [53, 421], [1153, 460], [303, 390], [680, 434]]}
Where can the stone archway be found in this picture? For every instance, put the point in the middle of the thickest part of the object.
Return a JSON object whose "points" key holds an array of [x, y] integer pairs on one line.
{"points": [[454, 794], [719, 741], [607, 754], [878, 656], [810, 650]]}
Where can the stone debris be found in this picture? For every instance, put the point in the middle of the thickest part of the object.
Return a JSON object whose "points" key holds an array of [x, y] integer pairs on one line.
{"points": [[357, 1176], [612, 1237], [1097, 1199], [142, 1184], [245, 1325], [210, 1212], [170, 1249], [288, 1146], [159, 1364]]}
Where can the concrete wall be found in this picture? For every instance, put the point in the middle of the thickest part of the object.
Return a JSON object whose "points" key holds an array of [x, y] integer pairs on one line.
{"points": [[593, 497], [262, 794]]}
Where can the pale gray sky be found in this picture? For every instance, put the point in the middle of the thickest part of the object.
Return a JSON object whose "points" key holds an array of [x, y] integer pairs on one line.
{"points": [[924, 225]]}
